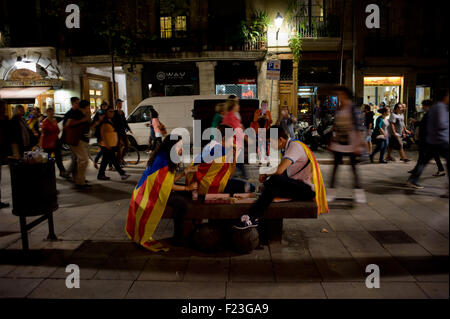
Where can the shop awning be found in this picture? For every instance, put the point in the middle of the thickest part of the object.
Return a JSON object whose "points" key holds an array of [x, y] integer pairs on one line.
{"points": [[22, 92]]}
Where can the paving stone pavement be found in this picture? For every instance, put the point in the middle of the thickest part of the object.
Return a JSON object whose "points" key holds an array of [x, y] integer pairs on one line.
{"points": [[404, 232]]}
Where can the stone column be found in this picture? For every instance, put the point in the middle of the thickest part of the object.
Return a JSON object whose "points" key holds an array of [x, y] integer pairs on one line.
{"points": [[134, 86], [206, 77], [263, 84]]}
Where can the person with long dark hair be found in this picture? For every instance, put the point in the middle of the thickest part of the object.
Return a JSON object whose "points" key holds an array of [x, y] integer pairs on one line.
{"points": [[155, 190]]}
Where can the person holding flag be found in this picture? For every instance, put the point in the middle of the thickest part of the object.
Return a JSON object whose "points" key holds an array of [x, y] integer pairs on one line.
{"points": [[297, 177], [154, 191]]}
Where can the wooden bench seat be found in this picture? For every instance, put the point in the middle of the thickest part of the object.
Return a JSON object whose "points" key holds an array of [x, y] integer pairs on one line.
{"points": [[273, 219]]}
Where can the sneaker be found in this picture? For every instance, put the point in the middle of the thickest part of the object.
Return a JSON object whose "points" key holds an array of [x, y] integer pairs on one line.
{"points": [[4, 205], [125, 177], [390, 159], [103, 178], [371, 158], [246, 222], [382, 162], [439, 173], [64, 175], [84, 186], [359, 195], [414, 185], [96, 165], [331, 194], [406, 160]]}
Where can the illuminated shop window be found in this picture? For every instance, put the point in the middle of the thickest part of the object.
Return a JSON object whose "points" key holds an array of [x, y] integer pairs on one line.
{"points": [[166, 27], [180, 26]]}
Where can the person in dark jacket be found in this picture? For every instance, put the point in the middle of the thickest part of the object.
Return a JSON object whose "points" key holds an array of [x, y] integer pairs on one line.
{"points": [[4, 144], [22, 138], [122, 127]]}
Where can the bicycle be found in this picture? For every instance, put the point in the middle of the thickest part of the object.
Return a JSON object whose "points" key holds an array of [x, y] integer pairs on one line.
{"points": [[130, 157]]}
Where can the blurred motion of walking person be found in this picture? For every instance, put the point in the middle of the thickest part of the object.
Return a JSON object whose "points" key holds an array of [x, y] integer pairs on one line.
{"points": [[77, 136], [437, 138], [380, 135], [4, 144], [368, 123], [397, 131], [109, 141], [122, 128], [287, 122], [50, 141], [22, 138], [262, 118], [347, 141]]}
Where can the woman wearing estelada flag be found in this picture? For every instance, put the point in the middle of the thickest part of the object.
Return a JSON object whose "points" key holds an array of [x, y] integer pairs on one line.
{"points": [[154, 191]]}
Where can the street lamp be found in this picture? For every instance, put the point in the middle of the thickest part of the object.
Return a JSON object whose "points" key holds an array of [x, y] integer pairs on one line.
{"points": [[278, 22]]}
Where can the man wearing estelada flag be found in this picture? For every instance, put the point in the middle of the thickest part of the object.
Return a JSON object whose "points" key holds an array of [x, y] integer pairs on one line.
{"points": [[297, 177]]}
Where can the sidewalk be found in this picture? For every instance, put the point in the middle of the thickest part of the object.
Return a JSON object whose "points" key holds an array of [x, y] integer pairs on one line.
{"points": [[402, 231]]}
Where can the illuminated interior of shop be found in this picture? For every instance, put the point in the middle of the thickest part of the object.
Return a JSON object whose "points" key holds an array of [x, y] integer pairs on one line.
{"points": [[387, 89]]}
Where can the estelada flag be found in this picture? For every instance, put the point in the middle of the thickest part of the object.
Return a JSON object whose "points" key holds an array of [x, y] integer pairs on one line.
{"points": [[148, 203], [319, 187], [213, 171]]}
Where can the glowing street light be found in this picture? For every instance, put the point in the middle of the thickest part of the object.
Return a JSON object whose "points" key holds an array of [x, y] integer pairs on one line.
{"points": [[278, 22]]}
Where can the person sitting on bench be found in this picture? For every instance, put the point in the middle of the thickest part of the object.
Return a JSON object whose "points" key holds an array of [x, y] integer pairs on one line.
{"points": [[297, 177], [215, 166]]}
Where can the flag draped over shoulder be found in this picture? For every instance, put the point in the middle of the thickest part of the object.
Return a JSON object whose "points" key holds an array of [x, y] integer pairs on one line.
{"points": [[213, 172], [319, 187], [148, 203]]}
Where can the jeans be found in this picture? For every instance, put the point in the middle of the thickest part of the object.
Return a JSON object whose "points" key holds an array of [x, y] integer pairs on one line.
{"points": [[381, 146], [430, 151], [280, 186], [337, 160], [82, 159], [109, 157]]}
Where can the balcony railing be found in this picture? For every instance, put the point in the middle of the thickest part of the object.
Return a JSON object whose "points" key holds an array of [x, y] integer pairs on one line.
{"points": [[318, 27]]}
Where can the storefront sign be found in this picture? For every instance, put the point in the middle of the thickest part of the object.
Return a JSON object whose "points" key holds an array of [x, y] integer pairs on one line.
{"points": [[162, 76], [273, 69], [31, 83], [383, 80]]}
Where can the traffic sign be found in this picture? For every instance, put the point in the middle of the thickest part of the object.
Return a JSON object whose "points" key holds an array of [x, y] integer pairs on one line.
{"points": [[273, 69]]}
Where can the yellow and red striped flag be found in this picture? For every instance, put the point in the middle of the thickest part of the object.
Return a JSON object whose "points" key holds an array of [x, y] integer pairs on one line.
{"points": [[213, 171], [148, 203]]}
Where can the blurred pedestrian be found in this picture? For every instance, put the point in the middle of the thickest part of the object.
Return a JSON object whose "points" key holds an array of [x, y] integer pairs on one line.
{"points": [[77, 136], [95, 126], [122, 128], [287, 122], [347, 141], [368, 124], [233, 119], [380, 135], [397, 131], [4, 144], [33, 121], [151, 137], [75, 105], [109, 141], [437, 137], [22, 138], [262, 119], [50, 141]]}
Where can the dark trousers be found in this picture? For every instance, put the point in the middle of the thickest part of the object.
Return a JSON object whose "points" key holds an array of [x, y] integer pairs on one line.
{"points": [[337, 161], [429, 152], [236, 185], [422, 153], [381, 146], [58, 156], [280, 186], [179, 205], [109, 156]]}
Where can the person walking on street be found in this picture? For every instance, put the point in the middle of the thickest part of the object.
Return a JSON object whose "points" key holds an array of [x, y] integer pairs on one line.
{"points": [[437, 138], [262, 119], [287, 122], [122, 128], [347, 141], [426, 104], [77, 136], [95, 126], [75, 102], [4, 144], [397, 131], [109, 141], [368, 123], [233, 119], [50, 142], [380, 134]]}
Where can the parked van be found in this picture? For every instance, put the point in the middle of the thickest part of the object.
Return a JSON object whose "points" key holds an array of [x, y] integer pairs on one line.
{"points": [[180, 111]]}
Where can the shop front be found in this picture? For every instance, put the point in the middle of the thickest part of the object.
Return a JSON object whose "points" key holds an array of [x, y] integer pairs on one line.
{"points": [[170, 79], [237, 77], [387, 89]]}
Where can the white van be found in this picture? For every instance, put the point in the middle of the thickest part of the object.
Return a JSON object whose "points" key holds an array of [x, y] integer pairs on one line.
{"points": [[177, 111]]}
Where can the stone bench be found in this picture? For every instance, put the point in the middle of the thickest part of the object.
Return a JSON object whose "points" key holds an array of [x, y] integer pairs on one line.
{"points": [[272, 226]]}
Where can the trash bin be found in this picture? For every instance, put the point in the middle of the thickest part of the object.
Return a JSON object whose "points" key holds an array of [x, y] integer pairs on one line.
{"points": [[34, 193], [33, 188]]}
